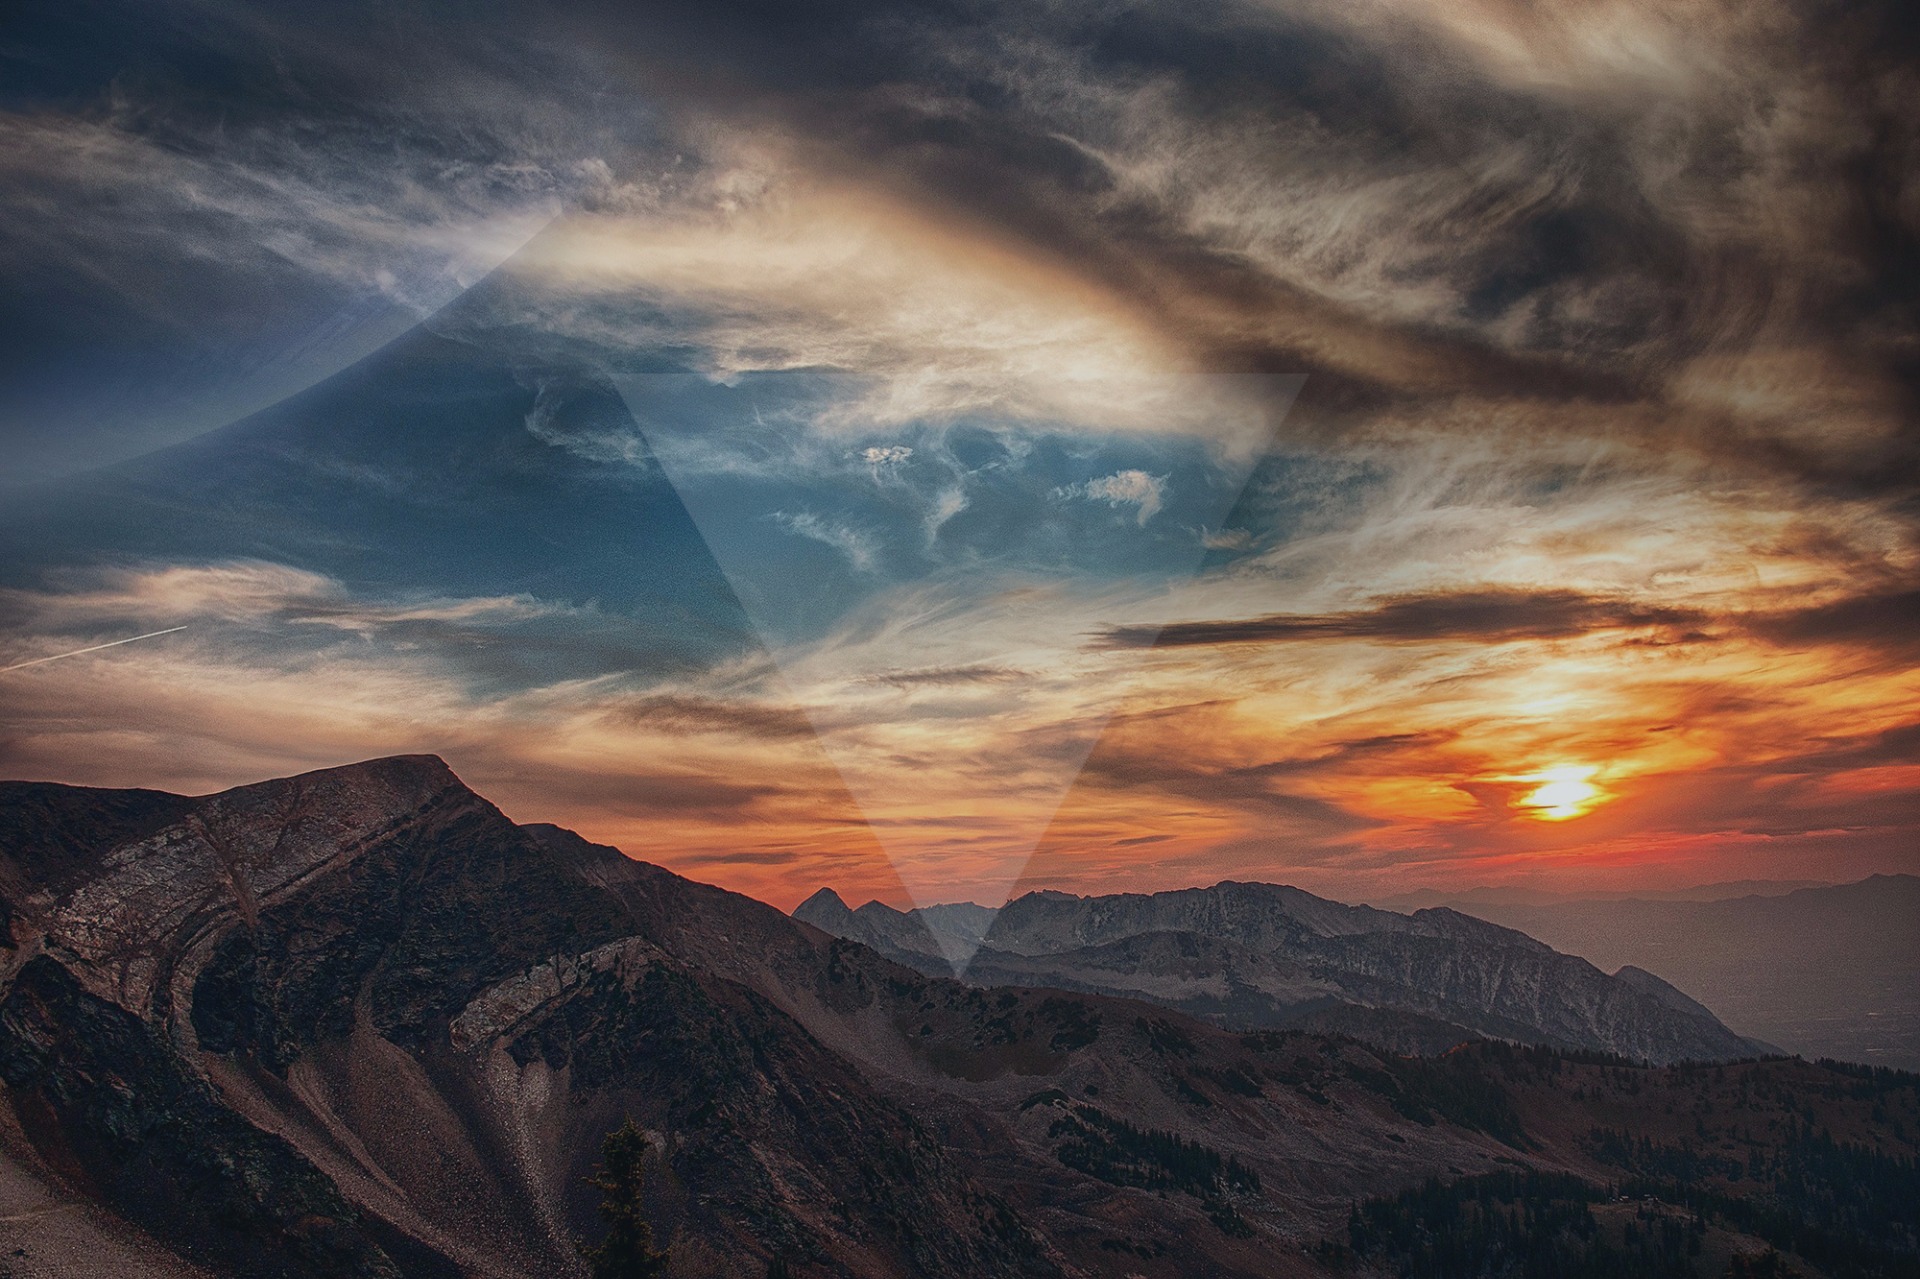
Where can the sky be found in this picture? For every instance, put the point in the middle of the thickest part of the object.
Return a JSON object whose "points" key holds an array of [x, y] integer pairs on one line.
{"points": [[942, 450]]}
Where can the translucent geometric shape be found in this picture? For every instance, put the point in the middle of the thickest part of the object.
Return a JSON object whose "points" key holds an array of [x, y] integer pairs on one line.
{"points": [[932, 588]]}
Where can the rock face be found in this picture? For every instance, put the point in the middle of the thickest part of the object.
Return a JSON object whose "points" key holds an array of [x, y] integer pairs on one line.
{"points": [[358, 1023], [1263, 955]]}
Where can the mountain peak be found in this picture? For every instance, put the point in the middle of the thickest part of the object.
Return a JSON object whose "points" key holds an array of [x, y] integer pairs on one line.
{"points": [[388, 769], [824, 909], [1663, 990], [158, 867]]}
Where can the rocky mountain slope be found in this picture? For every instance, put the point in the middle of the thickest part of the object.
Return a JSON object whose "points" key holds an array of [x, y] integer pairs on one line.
{"points": [[1767, 963], [1262, 956], [358, 1023]]}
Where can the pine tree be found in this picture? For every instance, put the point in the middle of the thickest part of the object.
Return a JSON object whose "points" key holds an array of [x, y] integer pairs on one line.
{"points": [[627, 1251]]}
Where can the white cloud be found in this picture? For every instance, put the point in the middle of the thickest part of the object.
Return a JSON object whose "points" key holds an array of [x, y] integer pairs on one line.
{"points": [[857, 545], [884, 459], [246, 592], [1124, 488], [596, 440], [947, 503]]}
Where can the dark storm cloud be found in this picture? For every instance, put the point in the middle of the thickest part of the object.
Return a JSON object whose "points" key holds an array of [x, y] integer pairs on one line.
{"points": [[1888, 620], [1892, 747], [1482, 616], [1031, 144]]}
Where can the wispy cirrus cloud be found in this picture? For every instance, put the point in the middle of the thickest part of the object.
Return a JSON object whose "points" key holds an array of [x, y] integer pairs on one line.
{"points": [[858, 545]]}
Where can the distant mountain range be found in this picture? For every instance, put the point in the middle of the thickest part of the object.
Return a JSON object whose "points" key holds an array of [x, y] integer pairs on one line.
{"points": [[359, 1023], [1526, 896], [1262, 956], [1824, 971]]}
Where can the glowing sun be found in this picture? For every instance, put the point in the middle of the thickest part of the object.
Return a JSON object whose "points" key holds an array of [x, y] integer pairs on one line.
{"points": [[1562, 793]]}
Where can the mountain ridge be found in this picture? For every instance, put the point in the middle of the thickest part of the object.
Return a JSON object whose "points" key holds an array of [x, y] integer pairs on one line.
{"points": [[1765, 963], [1277, 951]]}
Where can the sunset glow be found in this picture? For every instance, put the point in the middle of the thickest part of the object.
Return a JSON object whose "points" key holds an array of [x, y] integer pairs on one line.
{"points": [[1563, 792]]}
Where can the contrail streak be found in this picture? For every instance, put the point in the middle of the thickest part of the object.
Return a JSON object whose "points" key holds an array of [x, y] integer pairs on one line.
{"points": [[94, 649]]}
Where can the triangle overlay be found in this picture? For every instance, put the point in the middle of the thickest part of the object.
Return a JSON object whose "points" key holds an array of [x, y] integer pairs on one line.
{"points": [[932, 592]]}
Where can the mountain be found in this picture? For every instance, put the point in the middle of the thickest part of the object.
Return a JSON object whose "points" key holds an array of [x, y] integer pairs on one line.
{"points": [[359, 1023], [1827, 971], [1254, 956], [1467, 899]]}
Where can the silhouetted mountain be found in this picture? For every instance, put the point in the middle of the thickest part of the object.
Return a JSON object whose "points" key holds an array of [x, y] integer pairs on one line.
{"points": [[358, 1023], [1831, 971], [1254, 956]]}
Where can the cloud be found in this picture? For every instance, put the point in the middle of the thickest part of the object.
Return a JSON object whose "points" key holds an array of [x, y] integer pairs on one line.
{"points": [[858, 545], [927, 323], [1133, 757], [946, 676], [1602, 206], [77, 190], [1888, 620], [249, 591], [597, 435], [947, 503], [1496, 616], [500, 644], [1226, 539], [1131, 487], [692, 713]]}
